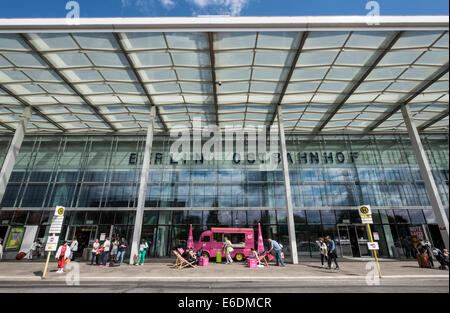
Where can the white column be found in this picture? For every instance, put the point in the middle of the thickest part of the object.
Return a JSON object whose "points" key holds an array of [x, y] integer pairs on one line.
{"points": [[143, 187], [427, 175], [287, 189], [13, 151]]}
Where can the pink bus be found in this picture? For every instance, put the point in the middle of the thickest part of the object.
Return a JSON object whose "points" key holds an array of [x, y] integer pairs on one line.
{"points": [[212, 241]]}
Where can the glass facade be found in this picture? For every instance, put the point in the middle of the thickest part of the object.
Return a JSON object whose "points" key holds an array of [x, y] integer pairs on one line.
{"points": [[97, 178]]}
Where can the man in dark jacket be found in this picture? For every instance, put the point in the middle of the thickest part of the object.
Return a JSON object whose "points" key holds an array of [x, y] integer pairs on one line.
{"points": [[332, 255]]}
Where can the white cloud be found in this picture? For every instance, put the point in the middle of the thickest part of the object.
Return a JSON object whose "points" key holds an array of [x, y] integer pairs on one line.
{"points": [[168, 4], [233, 7]]}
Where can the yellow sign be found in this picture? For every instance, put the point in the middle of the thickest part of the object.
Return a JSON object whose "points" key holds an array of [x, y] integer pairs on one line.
{"points": [[59, 211], [365, 213], [364, 210]]}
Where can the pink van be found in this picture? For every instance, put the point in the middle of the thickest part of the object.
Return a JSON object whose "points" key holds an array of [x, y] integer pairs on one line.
{"points": [[212, 241]]}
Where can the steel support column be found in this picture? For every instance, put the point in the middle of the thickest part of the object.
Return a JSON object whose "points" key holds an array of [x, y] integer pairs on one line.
{"points": [[13, 151], [287, 188], [143, 186], [427, 175]]}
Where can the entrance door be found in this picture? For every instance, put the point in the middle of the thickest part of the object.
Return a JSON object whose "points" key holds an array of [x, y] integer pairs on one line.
{"points": [[353, 240], [84, 235], [344, 241]]}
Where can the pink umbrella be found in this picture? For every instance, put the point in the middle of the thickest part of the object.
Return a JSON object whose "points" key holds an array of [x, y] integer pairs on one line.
{"points": [[190, 243], [260, 240]]}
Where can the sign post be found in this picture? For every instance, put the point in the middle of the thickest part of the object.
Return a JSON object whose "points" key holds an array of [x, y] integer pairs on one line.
{"points": [[366, 217], [52, 241]]}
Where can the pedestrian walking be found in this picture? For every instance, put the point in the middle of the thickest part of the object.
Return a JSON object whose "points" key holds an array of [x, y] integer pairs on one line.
{"points": [[34, 250], [228, 249], [74, 249], [275, 246], [95, 252], [332, 255], [323, 251], [62, 255], [122, 250], [105, 254], [142, 252]]}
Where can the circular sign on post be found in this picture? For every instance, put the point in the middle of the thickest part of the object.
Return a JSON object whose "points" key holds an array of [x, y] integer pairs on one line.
{"points": [[59, 211], [364, 210]]}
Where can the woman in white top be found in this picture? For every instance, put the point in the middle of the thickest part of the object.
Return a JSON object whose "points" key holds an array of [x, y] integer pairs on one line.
{"points": [[73, 248], [106, 248], [142, 251], [323, 250], [115, 249], [95, 248]]}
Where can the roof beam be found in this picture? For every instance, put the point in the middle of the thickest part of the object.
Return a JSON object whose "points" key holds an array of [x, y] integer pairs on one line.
{"points": [[7, 127], [213, 75], [68, 83], [289, 76], [36, 110], [225, 23], [433, 121], [414, 93], [372, 64], [139, 78]]}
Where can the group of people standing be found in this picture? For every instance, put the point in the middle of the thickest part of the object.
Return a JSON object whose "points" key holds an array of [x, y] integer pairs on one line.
{"points": [[426, 252], [328, 253], [112, 251]]}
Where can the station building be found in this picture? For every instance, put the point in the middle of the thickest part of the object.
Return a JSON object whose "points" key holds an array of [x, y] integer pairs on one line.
{"points": [[360, 110]]}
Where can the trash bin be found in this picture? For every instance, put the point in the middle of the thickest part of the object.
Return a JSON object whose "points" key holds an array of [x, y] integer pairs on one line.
{"points": [[396, 252], [219, 257], [86, 255]]}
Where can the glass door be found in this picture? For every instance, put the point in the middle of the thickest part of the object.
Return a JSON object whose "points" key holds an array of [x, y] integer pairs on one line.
{"points": [[85, 236], [363, 239], [344, 241]]}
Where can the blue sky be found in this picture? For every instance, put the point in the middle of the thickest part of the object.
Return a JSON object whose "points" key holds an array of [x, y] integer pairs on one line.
{"points": [[140, 8]]}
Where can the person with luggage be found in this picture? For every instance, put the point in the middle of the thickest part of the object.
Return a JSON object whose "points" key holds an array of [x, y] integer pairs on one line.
{"points": [[439, 255], [62, 255], [228, 249], [323, 251], [332, 255], [74, 248], [95, 252], [122, 250], [34, 250], [105, 254], [422, 255], [142, 252], [429, 253], [275, 246]]}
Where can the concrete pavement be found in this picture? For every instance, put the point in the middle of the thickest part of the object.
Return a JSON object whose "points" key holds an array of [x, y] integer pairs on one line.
{"points": [[400, 276]]}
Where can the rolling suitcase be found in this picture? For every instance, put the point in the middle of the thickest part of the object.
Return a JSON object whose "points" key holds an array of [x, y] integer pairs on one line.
{"points": [[20, 255], [423, 261]]}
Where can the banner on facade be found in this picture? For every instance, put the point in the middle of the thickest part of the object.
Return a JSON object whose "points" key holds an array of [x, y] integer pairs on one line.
{"points": [[15, 238]]}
